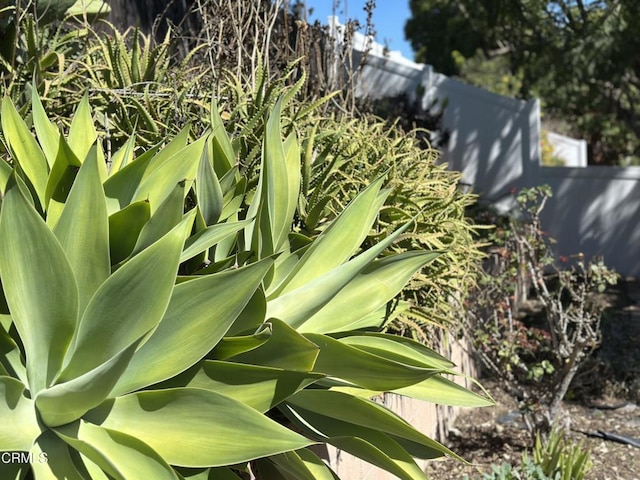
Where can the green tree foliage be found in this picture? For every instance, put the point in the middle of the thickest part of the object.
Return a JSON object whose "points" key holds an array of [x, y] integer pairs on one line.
{"points": [[579, 57]]}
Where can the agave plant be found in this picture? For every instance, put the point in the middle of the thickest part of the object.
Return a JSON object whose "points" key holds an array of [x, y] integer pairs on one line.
{"points": [[160, 320], [340, 155]]}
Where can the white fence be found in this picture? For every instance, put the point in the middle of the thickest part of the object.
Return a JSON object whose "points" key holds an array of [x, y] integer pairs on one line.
{"points": [[573, 152], [495, 143]]}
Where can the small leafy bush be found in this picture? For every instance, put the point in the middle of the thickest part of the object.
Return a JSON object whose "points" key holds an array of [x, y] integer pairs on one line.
{"points": [[536, 362]]}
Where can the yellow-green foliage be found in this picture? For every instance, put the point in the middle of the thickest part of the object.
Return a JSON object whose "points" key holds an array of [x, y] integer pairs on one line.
{"points": [[340, 155], [134, 86], [161, 320], [560, 459]]}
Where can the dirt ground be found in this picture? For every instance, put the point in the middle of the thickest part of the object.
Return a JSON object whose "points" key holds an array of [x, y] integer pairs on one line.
{"points": [[493, 435], [606, 398]]}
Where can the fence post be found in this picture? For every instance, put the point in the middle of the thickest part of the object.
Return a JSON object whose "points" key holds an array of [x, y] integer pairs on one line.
{"points": [[426, 84], [531, 146]]}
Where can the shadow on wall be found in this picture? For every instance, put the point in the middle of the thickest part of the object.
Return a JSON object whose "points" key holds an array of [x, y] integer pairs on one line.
{"points": [[495, 143], [492, 137], [595, 211]]}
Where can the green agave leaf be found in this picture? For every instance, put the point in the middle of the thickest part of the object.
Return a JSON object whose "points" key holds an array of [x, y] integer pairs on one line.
{"points": [[47, 133], [213, 430], [61, 179], [66, 402], [338, 242], [83, 230], [395, 347], [292, 161], [231, 346], [167, 216], [200, 261], [121, 456], [365, 369], [19, 427], [250, 319], [262, 388], [231, 208], [383, 316], [52, 459], [128, 305], [296, 306], [299, 465], [121, 186], [123, 156], [231, 183], [362, 412], [285, 349], [371, 288], [42, 293], [90, 469], [266, 469], [220, 473], [208, 188], [371, 445], [82, 133], [317, 211], [14, 471], [224, 158], [442, 391], [277, 190], [10, 356], [25, 150], [5, 173], [160, 182], [286, 262], [209, 237], [315, 465], [124, 229], [383, 452], [226, 247], [198, 315]]}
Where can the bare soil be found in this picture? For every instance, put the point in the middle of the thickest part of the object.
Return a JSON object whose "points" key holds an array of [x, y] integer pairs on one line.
{"points": [[604, 398], [493, 436]]}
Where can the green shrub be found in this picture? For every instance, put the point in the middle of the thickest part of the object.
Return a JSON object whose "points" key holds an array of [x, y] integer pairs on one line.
{"points": [[560, 459], [161, 320], [135, 85], [535, 362], [35, 41], [340, 154], [555, 459], [527, 471]]}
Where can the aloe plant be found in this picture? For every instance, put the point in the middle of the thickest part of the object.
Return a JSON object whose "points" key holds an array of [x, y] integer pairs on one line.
{"points": [[160, 320], [41, 12]]}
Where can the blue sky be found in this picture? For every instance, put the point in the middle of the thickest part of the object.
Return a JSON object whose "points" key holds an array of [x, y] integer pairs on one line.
{"points": [[389, 18]]}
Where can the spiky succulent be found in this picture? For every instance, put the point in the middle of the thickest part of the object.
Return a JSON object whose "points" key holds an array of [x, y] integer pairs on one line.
{"points": [[159, 320]]}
